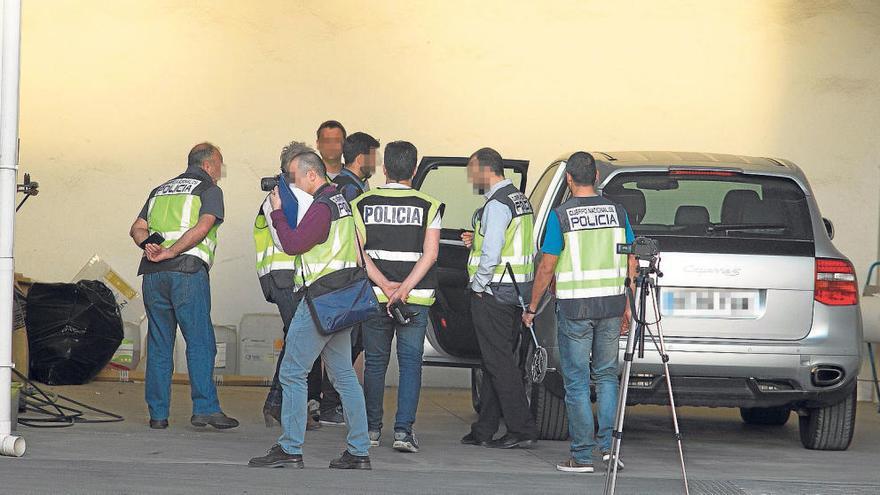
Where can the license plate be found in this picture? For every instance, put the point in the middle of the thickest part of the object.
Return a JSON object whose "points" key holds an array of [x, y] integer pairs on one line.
{"points": [[710, 303]]}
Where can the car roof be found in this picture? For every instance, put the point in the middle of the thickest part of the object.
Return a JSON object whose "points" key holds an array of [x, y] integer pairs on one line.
{"points": [[663, 159]]}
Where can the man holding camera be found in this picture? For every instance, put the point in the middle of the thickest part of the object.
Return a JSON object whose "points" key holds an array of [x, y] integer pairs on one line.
{"points": [[400, 228], [325, 241], [177, 229], [278, 273], [580, 249]]}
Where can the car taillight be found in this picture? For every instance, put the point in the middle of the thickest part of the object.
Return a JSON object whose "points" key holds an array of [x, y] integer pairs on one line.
{"points": [[836, 283]]}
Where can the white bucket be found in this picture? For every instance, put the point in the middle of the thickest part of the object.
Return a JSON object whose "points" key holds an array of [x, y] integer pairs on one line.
{"points": [[226, 360]]}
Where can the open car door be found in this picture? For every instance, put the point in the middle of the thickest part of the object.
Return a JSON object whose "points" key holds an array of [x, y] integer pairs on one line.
{"points": [[445, 178]]}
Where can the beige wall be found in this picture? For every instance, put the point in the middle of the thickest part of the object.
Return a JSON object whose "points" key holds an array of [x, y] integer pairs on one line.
{"points": [[115, 93]]}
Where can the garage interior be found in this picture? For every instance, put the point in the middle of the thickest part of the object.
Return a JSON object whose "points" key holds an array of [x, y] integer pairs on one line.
{"points": [[113, 94]]}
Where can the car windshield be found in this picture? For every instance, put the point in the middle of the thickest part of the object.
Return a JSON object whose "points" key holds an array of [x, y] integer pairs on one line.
{"points": [[711, 204]]}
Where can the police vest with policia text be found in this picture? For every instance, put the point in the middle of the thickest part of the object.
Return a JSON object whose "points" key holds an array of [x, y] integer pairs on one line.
{"points": [[173, 209], [590, 275], [393, 223], [518, 247]]}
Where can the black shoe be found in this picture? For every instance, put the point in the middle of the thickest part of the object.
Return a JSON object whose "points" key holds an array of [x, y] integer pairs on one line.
{"points": [[350, 461], [217, 420], [333, 417], [470, 439], [271, 414], [158, 424], [277, 457], [511, 441]]}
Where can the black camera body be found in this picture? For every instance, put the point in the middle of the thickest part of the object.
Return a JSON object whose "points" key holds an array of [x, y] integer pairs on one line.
{"points": [[642, 248], [400, 316], [269, 183]]}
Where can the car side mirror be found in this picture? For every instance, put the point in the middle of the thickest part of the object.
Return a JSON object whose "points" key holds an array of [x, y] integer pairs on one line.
{"points": [[829, 227]]}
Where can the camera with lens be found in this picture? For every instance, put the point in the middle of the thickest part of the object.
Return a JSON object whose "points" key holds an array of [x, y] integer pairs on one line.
{"points": [[642, 247], [269, 183]]}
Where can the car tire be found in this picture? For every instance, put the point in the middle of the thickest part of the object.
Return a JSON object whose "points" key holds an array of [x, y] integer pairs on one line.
{"points": [[766, 416], [830, 427], [549, 411], [476, 383]]}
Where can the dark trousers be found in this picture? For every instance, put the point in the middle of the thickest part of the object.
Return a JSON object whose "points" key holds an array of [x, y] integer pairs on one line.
{"points": [[287, 301], [498, 327], [330, 399]]}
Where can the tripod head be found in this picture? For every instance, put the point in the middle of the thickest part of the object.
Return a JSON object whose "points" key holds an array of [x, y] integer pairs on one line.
{"points": [[644, 249]]}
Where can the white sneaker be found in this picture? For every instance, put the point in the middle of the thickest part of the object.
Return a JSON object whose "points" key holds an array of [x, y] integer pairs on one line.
{"points": [[374, 438], [606, 457], [405, 442]]}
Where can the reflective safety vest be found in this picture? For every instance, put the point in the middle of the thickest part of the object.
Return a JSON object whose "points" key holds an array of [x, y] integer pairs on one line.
{"points": [[269, 257], [518, 247], [174, 208], [340, 249], [590, 275], [393, 223]]}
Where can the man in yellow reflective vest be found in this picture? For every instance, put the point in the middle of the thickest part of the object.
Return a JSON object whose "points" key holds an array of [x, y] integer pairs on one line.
{"points": [[186, 212], [580, 251], [502, 234], [280, 284], [325, 242]]}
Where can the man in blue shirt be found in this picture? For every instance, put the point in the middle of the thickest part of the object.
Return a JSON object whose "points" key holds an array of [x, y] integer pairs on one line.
{"points": [[580, 250]]}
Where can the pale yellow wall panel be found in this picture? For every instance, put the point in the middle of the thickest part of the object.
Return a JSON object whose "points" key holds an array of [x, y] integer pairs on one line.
{"points": [[115, 93]]}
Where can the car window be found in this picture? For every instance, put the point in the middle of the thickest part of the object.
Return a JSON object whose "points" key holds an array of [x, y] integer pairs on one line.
{"points": [[712, 204], [543, 185], [450, 185]]}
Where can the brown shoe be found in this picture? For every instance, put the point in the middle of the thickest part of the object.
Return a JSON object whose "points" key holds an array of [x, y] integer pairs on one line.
{"points": [[573, 466]]}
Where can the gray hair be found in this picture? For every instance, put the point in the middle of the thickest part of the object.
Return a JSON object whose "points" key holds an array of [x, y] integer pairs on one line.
{"points": [[310, 161], [199, 153], [291, 150]]}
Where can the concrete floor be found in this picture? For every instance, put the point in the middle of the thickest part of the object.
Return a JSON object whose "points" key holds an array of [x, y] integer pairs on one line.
{"points": [[723, 455]]}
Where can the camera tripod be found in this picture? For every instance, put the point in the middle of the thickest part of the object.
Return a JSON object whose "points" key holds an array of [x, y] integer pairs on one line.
{"points": [[645, 284]]}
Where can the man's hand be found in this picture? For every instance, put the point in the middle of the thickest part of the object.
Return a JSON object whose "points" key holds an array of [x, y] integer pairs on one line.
{"points": [[527, 318], [275, 199], [389, 288], [401, 294], [468, 238], [157, 253], [626, 320]]}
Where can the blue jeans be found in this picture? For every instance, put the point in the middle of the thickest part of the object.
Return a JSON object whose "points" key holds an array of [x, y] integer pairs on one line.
{"points": [[303, 345], [377, 333], [578, 339], [172, 299]]}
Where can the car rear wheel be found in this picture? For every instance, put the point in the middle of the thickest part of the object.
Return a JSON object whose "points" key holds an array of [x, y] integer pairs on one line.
{"points": [[549, 411], [768, 416], [830, 427]]}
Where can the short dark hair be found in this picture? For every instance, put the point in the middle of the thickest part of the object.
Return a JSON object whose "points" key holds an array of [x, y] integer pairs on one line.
{"points": [[581, 166], [359, 143], [199, 153], [331, 124], [400, 160], [309, 160], [291, 150], [487, 157]]}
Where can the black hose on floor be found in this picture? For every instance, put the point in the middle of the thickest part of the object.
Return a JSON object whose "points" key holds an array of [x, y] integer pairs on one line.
{"points": [[56, 414]]}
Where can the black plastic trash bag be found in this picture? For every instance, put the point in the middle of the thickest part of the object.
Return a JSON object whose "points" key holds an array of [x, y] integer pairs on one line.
{"points": [[73, 331]]}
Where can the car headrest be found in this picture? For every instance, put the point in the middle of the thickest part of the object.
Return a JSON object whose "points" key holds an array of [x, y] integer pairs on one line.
{"points": [[691, 215], [736, 203], [633, 201]]}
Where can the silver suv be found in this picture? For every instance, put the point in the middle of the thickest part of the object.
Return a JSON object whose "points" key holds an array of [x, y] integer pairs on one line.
{"points": [[759, 309]]}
